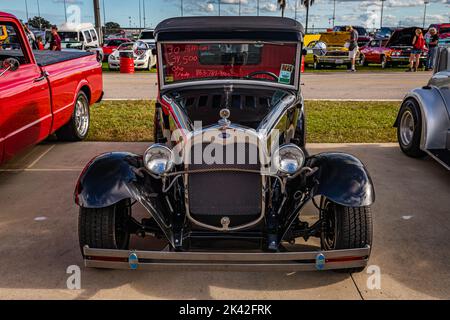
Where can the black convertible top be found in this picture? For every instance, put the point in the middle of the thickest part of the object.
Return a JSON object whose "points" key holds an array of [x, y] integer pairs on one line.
{"points": [[229, 27], [47, 57]]}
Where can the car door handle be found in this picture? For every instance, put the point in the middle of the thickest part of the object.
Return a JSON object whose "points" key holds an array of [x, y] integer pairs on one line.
{"points": [[42, 77]]}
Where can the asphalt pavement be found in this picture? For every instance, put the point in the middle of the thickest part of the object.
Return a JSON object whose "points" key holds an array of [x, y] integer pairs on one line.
{"points": [[39, 241], [325, 85]]}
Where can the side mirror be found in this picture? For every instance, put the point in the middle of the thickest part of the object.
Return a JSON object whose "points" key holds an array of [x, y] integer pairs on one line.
{"points": [[154, 51], [11, 64], [304, 52]]}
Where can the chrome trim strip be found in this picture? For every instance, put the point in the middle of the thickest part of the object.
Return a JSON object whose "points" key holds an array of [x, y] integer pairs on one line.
{"points": [[295, 261], [26, 126]]}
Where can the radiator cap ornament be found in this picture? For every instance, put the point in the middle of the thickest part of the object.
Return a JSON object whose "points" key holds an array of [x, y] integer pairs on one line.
{"points": [[224, 114], [225, 222]]}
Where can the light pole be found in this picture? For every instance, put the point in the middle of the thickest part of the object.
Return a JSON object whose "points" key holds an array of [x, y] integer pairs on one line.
{"points": [[219, 6], [140, 15], [104, 12], [181, 7], [295, 14], [26, 9], [334, 12], [257, 7], [425, 12], [382, 10], [65, 11], [39, 14], [143, 9], [239, 7]]}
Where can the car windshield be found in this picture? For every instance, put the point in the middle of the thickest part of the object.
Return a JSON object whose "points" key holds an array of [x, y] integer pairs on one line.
{"points": [[126, 46], [274, 62], [114, 42], [146, 35], [67, 36]]}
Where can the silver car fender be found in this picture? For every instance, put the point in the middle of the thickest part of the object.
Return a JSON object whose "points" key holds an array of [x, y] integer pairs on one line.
{"points": [[435, 118]]}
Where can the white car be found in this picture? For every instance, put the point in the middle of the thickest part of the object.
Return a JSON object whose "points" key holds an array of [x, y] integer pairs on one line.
{"points": [[144, 56], [148, 37]]}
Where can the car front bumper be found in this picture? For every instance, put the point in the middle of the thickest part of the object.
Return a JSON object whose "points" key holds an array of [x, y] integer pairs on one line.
{"points": [[404, 59], [116, 64], [230, 261], [335, 60]]}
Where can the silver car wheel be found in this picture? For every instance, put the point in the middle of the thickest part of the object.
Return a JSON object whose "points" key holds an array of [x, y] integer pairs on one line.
{"points": [[407, 128], [81, 116]]}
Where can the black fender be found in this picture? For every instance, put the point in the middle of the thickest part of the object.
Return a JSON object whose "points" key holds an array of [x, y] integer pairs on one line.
{"points": [[343, 179], [107, 179], [112, 177]]}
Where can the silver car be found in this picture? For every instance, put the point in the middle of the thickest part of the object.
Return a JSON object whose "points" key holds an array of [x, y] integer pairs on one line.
{"points": [[423, 122]]}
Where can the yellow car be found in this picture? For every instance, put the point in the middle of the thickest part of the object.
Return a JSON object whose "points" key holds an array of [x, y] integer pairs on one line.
{"points": [[334, 54], [310, 38], [3, 33]]}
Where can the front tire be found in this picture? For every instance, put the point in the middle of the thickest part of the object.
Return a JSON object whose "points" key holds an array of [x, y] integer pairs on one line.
{"points": [[78, 126], [105, 228], [409, 129], [345, 228]]}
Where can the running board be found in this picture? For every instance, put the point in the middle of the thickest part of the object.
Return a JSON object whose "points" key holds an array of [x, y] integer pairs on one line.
{"points": [[235, 261], [440, 155]]}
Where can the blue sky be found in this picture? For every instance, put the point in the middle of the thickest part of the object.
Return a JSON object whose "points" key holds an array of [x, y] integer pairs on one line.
{"points": [[367, 13]]}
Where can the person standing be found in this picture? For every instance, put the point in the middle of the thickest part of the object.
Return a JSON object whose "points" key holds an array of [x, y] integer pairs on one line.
{"points": [[30, 36], [353, 47], [418, 46], [55, 42], [39, 43], [432, 45]]}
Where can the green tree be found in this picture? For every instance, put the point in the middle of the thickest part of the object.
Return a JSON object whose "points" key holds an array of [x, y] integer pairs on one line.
{"points": [[39, 22], [307, 4], [282, 4]]}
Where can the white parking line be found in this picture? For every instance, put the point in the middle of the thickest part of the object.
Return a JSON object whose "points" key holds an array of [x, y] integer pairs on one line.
{"points": [[350, 100], [40, 157], [42, 170]]}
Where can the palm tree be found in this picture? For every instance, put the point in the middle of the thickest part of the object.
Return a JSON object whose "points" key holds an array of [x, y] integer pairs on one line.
{"points": [[282, 4], [307, 4]]}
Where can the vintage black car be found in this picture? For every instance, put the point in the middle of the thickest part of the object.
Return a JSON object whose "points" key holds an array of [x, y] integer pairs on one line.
{"points": [[228, 179]]}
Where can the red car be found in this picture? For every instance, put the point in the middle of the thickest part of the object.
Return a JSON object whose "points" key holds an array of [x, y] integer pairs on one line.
{"points": [[375, 52], [43, 92], [393, 52], [112, 44]]}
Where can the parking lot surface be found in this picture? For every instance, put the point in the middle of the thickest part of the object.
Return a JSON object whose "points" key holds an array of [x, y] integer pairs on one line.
{"points": [[327, 85], [38, 236]]}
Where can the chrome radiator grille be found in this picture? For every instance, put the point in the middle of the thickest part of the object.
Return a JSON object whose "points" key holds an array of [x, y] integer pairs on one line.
{"points": [[216, 194]]}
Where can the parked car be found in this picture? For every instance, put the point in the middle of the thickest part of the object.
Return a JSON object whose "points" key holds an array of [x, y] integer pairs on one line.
{"points": [[228, 178], [144, 56], [363, 35], [399, 46], [329, 50], [78, 37], [423, 122], [375, 52], [147, 37], [43, 92], [110, 45], [384, 33]]}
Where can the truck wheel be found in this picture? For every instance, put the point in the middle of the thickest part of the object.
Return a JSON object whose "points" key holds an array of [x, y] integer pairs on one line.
{"points": [[345, 228], [78, 126], [105, 228], [409, 129]]}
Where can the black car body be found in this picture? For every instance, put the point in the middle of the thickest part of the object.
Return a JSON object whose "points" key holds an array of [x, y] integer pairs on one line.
{"points": [[240, 203]]}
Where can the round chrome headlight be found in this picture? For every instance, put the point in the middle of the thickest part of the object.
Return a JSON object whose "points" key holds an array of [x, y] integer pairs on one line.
{"points": [[158, 159], [288, 159]]}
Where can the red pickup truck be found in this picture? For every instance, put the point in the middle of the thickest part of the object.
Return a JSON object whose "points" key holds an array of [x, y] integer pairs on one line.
{"points": [[42, 92]]}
